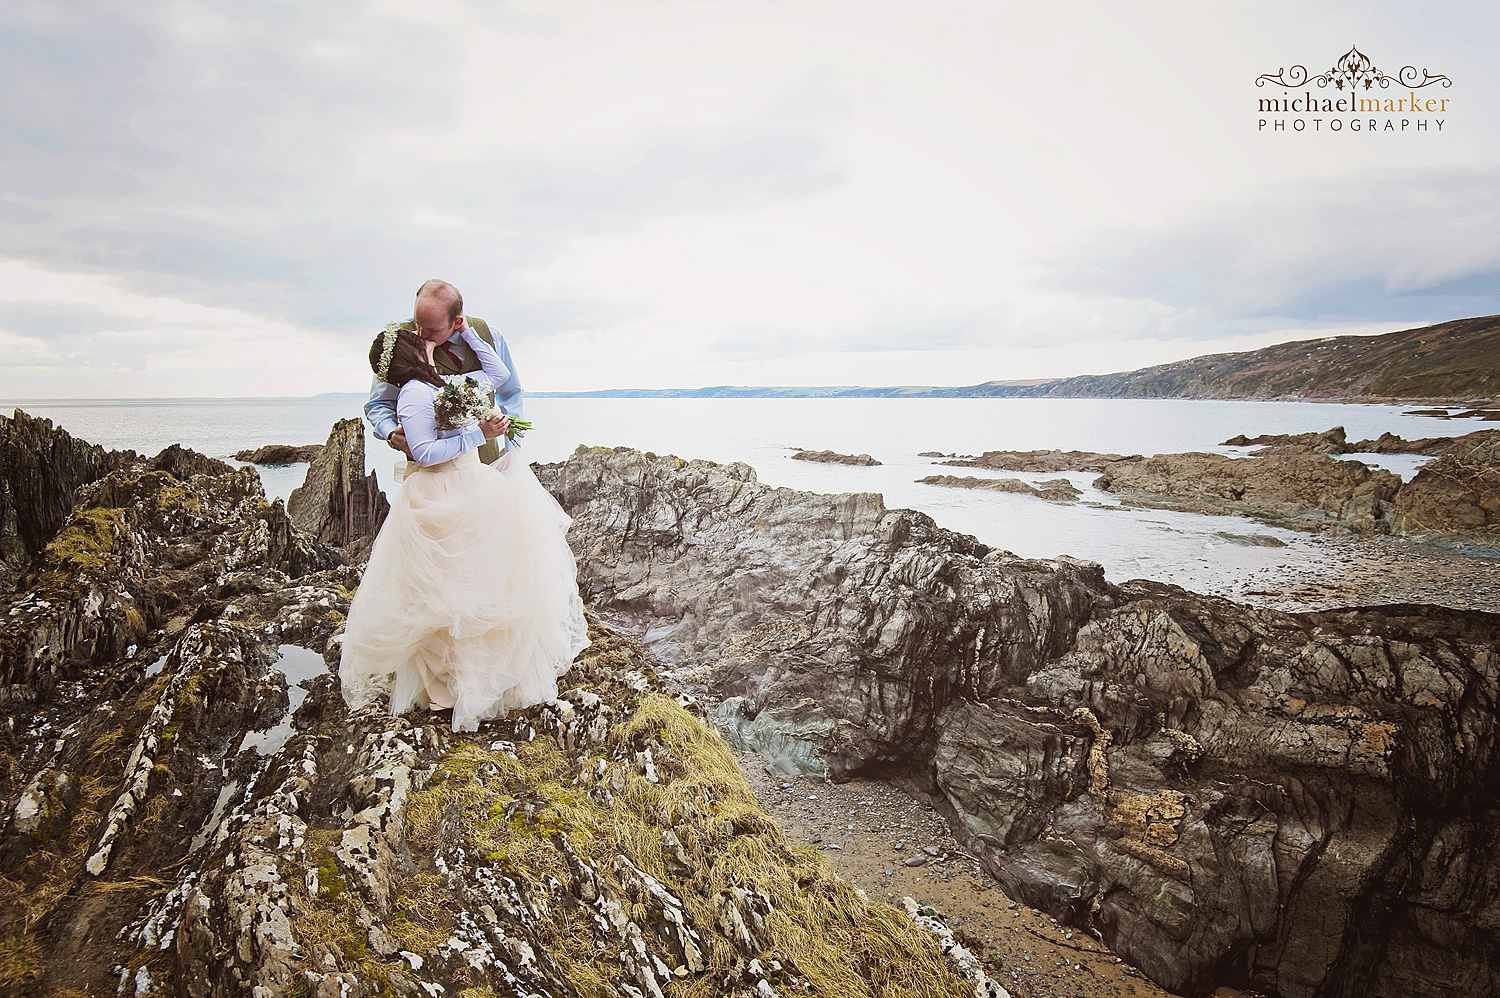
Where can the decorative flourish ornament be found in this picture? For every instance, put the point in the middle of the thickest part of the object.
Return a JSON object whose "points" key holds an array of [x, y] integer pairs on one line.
{"points": [[1353, 71]]}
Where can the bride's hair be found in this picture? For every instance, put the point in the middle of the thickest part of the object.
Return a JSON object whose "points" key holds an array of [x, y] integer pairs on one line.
{"points": [[408, 360]]}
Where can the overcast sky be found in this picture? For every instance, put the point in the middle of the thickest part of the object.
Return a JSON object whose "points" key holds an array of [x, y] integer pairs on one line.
{"points": [[213, 199]]}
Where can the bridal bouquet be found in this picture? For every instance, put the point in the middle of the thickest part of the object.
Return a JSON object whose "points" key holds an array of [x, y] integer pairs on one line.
{"points": [[460, 403]]}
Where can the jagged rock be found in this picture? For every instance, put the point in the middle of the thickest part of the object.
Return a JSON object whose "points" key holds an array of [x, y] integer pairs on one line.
{"points": [[833, 457], [141, 549], [279, 454], [1044, 461], [338, 503], [1303, 804], [1328, 442], [1335, 441], [196, 812], [40, 468], [1300, 491], [1057, 490], [1458, 494], [182, 463]]}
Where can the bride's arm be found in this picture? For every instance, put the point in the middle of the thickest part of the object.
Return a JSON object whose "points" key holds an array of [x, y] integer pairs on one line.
{"points": [[420, 423], [489, 361]]}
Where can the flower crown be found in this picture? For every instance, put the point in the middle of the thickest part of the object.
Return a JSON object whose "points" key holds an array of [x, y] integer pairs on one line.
{"points": [[392, 329]]}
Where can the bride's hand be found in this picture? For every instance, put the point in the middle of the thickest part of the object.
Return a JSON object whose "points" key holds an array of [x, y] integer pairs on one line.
{"points": [[495, 427]]}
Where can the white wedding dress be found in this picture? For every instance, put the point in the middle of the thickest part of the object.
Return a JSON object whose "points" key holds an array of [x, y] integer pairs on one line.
{"points": [[470, 599]]}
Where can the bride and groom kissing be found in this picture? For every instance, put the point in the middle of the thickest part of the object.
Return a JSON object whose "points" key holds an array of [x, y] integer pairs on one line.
{"points": [[469, 601]]}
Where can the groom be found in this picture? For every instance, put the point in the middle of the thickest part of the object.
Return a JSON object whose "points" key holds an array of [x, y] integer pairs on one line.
{"points": [[437, 317]]}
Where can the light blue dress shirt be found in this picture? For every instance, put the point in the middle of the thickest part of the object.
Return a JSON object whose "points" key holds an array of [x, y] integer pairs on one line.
{"points": [[380, 408]]}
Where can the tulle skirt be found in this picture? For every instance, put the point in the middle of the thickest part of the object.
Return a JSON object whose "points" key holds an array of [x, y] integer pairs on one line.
{"points": [[470, 599]]}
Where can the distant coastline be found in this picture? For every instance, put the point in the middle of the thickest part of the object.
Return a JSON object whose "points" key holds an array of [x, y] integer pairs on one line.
{"points": [[1453, 363]]}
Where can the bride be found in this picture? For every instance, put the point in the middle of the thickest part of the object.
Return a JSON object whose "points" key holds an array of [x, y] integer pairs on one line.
{"points": [[470, 599]]}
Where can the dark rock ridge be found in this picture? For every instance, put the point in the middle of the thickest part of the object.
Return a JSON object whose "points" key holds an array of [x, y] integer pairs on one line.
{"points": [[279, 454], [187, 808], [41, 466], [338, 503], [1044, 461], [1297, 490], [833, 457], [1058, 490], [1334, 441], [1302, 804]]}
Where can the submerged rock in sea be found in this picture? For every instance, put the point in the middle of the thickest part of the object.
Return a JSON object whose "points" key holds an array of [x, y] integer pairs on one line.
{"points": [[187, 806], [1045, 461], [833, 457], [1300, 491], [279, 454], [1303, 804], [338, 503], [1057, 490]]}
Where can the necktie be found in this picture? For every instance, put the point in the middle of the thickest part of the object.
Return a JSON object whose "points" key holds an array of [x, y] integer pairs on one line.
{"points": [[458, 365]]}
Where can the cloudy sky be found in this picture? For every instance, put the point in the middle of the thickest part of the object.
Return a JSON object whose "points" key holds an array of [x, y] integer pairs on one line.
{"points": [[220, 199]]}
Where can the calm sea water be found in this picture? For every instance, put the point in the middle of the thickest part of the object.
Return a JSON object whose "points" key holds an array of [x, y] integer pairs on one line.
{"points": [[1199, 552]]}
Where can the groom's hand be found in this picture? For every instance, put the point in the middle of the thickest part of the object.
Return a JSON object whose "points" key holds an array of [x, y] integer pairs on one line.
{"points": [[397, 441]]}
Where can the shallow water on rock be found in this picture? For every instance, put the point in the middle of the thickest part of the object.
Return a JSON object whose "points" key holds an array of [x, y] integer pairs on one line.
{"points": [[299, 665]]}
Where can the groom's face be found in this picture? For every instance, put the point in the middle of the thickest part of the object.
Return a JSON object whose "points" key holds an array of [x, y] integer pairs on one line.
{"points": [[433, 324]]}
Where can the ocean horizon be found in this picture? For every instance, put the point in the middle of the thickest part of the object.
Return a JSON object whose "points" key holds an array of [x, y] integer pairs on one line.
{"points": [[1204, 553]]}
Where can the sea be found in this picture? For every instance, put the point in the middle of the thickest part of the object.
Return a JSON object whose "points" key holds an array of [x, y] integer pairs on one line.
{"points": [[1203, 553]]}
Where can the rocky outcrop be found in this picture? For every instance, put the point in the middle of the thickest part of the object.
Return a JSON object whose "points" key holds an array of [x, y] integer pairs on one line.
{"points": [[1300, 491], [1045, 461], [338, 503], [1057, 490], [833, 457], [279, 454], [1302, 804], [40, 468], [1457, 495], [1335, 441], [1328, 442], [190, 809]]}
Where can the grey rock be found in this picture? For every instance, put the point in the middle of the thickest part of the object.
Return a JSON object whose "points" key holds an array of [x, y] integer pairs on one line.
{"points": [[833, 457], [1300, 491], [1057, 490], [338, 503], [1224, 793], [1045, 461], [279, 454]]}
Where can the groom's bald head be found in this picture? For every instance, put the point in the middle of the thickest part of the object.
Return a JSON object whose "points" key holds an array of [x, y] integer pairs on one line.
{"points": [[438, 311], [442, 293]]}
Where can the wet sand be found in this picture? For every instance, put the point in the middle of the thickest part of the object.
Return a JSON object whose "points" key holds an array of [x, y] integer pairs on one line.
{"points": [[1357, 572]]}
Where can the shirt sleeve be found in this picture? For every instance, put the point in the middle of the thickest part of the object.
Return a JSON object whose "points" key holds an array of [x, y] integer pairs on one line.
{"points": [[380, 409], [510, 395], [497, 370], [420, 423]]}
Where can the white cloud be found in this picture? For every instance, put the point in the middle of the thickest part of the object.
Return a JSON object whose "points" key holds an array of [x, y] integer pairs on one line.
{"points": [[151, 346], [681, 192]]}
